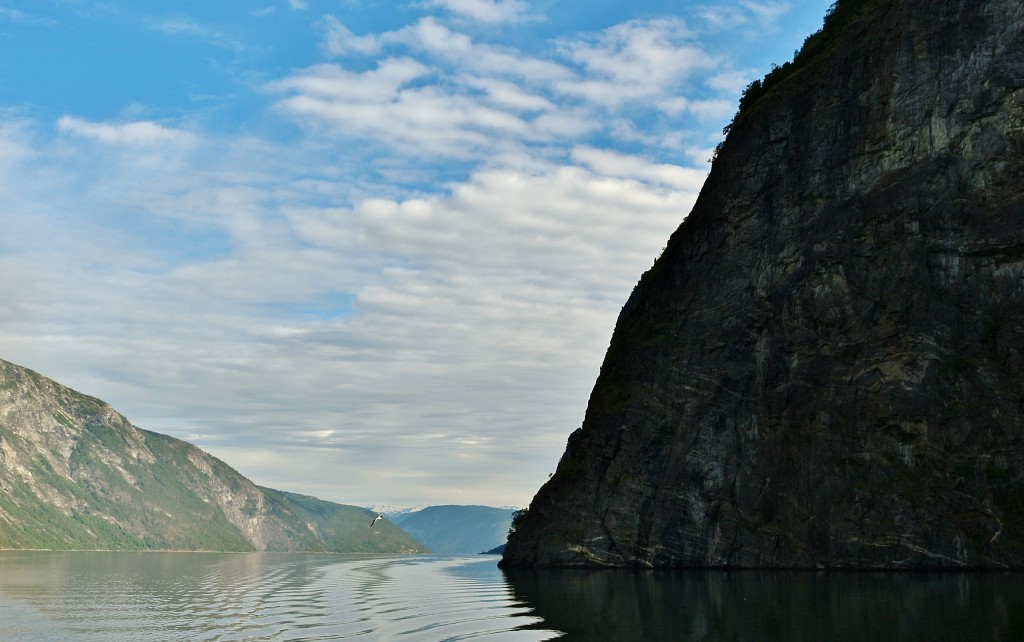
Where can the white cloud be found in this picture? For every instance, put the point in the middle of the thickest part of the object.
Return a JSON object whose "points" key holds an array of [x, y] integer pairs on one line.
{"points": [[478, 316], [135, 133], [436, 92], [520, 267], [624, 165], [20, 17], [715, 109], [16, 145], [426, 272], [760, 17], [447, 49], [389, 106], [766, 14], [507, 95], [451, 47], [336, 84], [731, 82], [634, 61], [340, 40], [513, 222], [186, 27], [485, 11]]}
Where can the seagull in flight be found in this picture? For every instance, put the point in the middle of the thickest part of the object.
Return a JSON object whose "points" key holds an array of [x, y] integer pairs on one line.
{"points": [[376, 519]]}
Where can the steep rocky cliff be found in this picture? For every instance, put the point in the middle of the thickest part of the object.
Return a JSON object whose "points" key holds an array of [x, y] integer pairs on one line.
{"points": [[824, 368], [75, 474]]}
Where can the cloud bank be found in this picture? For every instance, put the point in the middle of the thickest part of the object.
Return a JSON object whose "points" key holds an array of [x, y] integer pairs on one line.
{"points": [[397, 283]]}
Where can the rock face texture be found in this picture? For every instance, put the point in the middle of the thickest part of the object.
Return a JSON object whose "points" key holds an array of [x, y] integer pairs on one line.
{"points": [[825, 368], [75, 474]]}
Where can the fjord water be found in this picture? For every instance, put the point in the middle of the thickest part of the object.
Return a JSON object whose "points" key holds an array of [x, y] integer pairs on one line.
{"points": [[142, 597], [776, 606], [117, 597]]}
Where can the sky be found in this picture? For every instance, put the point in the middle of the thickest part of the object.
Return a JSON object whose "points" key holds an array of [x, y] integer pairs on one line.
{"points": [[367, 251]]}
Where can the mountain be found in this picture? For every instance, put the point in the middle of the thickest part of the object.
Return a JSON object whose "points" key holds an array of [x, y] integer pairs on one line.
{"points": [[457, 529], [75, 474], [823, 369], [395, 513]]}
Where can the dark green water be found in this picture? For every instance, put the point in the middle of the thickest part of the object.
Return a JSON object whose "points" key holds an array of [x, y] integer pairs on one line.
{"points": [[776, 606], [92, 597]]}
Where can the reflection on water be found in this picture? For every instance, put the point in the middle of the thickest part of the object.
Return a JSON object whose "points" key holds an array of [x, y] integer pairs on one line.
{"points": [[156, 597], [116, 597], [774, 606]]}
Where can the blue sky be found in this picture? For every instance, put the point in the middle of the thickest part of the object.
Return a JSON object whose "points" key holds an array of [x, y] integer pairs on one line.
{"points": [[367, 251]]}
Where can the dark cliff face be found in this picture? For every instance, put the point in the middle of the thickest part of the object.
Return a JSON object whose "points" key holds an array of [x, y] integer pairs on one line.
{"points": [[824, 369]]}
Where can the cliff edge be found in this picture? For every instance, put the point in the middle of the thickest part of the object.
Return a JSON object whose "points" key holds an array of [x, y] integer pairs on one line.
{"points": [[823, 369]]}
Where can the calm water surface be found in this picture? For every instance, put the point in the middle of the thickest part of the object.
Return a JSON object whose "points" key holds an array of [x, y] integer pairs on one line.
{"points": [[115, 597]]}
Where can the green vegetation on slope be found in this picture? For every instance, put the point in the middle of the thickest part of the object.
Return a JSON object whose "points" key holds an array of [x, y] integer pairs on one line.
{"points": [[108, 499], [841, 13], [329, 527], [74, 474]]}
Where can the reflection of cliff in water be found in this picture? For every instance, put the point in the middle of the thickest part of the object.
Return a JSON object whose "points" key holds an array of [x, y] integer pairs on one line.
{"points": [[773, 606]]}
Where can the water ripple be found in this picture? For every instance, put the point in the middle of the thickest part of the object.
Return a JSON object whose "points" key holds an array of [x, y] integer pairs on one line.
{"points": [[114, 597]]}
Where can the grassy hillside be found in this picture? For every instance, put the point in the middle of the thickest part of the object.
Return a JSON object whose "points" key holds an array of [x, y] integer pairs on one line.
{"points": [[75, 474], [338, 528]]}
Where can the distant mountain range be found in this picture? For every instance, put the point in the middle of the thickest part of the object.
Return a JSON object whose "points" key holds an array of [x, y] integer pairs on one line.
{"points": [[456, 529], [395, 513], [75, 474]]}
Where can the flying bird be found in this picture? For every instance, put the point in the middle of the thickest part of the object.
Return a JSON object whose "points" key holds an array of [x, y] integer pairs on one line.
{"points": [[376, 519]]}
